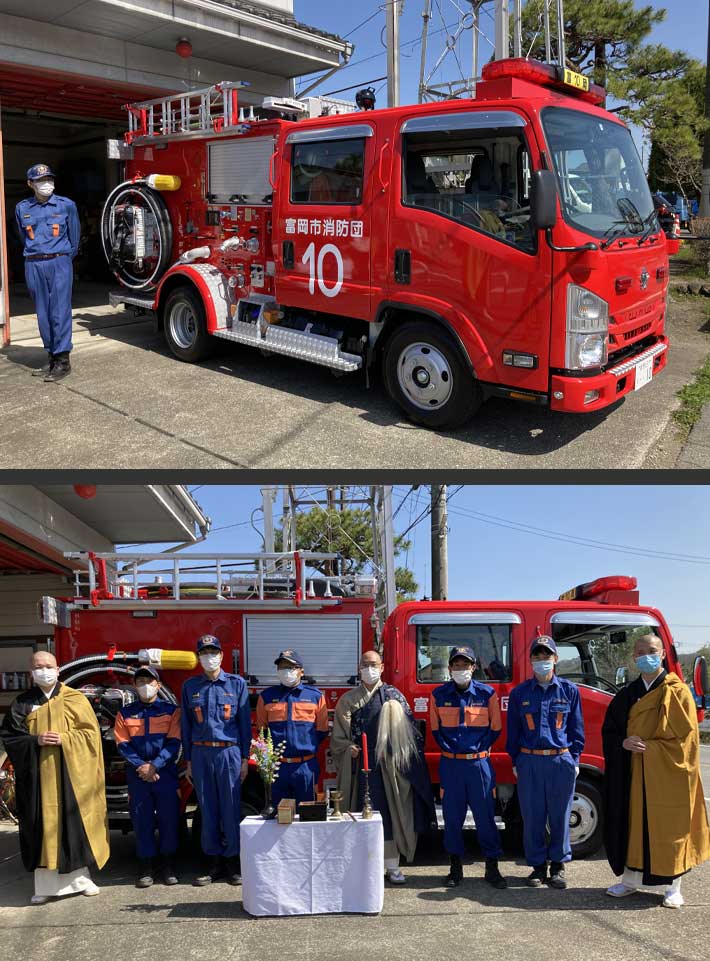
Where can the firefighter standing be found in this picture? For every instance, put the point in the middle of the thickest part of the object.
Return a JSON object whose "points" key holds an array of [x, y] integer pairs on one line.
{"points": [[297, 715], [49, 230], [147, 734], [216, 738], [465, 722], [545, 739]]}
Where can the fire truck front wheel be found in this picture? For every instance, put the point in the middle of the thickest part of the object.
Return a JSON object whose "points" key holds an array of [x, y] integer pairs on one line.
{"points": [[185, 325], [426, 375]]}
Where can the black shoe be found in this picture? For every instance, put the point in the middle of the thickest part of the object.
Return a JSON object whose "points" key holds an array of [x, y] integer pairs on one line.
{"points": [[455, 875], [43, 371], [538, 876], [60, 370], [493, 875], [214, 871], [169, 876], [145, 878], [557, 876], [233, 869]]}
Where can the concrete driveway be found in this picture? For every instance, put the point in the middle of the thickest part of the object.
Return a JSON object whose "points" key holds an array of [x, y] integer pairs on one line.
{"points": [[130, 404]]}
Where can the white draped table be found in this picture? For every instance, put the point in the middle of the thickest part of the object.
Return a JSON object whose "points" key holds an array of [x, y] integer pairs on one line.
{"points": [[312, 867]]}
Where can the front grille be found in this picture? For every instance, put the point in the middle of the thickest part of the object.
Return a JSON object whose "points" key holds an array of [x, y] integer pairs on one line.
{"points": [[637, 331]]}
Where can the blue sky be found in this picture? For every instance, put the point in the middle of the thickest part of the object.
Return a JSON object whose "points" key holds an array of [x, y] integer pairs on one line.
{"points": [[490, 561], [684, 28]]}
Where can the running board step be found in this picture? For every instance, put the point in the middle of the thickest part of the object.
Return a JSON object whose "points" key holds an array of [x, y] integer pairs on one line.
{"points": [[119, 298], [469, 824], [293, 343]]}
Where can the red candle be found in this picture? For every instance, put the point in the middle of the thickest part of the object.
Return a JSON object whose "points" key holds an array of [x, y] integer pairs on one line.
{"points": [[365, 765]]}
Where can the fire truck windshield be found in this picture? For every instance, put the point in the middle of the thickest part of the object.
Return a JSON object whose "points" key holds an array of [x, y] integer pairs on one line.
{"points": [[591, 654], [603, 189], [490, 643]]}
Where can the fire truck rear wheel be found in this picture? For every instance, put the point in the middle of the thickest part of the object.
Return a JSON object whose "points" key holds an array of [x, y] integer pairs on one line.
{"points": [[586, 818], [185, 326], [426, 375]]}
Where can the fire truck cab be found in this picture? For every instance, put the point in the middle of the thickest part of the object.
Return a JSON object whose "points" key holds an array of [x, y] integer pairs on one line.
{"points": [[505, 245]]}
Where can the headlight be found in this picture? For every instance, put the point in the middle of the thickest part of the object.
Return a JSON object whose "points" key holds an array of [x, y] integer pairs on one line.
{"points": [[587, 338]]}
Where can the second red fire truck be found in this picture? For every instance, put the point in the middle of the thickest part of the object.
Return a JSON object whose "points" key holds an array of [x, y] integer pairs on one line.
{"points": [[504, 245], [259, 604]]}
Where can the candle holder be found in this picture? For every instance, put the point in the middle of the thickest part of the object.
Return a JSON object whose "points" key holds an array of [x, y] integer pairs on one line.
{"points": [[336, 797], [366, 802]]}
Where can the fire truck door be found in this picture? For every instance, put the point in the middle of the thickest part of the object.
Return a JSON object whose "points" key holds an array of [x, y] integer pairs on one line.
{"points": [[460, 222], [322, 233]]}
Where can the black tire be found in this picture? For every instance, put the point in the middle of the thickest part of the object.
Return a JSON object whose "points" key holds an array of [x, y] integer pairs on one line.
{"points": [[185, 325], [421, 357], [587, 817]]}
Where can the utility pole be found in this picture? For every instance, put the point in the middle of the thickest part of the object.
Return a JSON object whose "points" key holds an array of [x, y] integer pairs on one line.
{"points": [[439, 544], [393, 11], [705, 191]]}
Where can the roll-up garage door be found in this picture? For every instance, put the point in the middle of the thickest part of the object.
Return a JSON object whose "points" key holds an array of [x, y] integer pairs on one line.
{"points": [[329, 646]]}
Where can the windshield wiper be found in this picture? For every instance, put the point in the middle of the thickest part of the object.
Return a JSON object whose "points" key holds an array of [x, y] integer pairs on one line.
{"points": [[651, 225], [616, 228]]}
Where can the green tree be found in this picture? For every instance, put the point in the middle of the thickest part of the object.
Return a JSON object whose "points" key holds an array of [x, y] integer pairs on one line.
{"points": [[348, 533]]}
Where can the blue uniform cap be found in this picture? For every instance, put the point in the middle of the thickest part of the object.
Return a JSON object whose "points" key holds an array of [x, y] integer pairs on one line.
{"points": [[145, 669], [462, 652], [39, 170], [293, 657], [544, 641], [208, 640]]}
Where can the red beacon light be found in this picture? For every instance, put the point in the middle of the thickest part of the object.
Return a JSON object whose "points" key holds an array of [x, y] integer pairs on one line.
{"points": [[547, 75], [602, 585]]}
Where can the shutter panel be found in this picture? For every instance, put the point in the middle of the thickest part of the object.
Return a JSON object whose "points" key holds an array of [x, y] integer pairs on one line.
{"points": [[329, 646], [240, 167]]}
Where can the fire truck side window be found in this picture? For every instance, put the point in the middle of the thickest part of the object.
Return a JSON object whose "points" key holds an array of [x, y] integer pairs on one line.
{"points": [[477, 177], [591, 654], [490, 642], [327, 172]]}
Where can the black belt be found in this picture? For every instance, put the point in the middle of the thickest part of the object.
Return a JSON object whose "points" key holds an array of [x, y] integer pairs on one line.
{"points": [[45, 256]]}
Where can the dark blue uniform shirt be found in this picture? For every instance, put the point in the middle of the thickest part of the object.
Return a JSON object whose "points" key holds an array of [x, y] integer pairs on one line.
{"points": [[148, 733], [545, 718], [465, 722], [216, 711], [48, 228], [297, 715]]}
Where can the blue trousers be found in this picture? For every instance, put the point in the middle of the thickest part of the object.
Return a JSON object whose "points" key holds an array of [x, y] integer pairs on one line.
{"points": [[50, 283], [215, 775], [467, 784], [545, 791], [154, 804], [297, 781]]}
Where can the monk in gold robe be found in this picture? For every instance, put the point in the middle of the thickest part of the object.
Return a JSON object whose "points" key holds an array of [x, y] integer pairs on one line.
{"points": [[656, 823], [53, 740]]}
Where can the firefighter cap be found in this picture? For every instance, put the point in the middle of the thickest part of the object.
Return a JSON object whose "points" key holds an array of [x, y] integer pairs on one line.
{"points": [[36, 171], [208, 640], [145, 669], [466, 652], [293, 657], [545, 642]]}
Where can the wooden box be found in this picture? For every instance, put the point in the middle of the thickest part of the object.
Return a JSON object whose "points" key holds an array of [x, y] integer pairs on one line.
{"points": [[313, 811], [286, 811]]}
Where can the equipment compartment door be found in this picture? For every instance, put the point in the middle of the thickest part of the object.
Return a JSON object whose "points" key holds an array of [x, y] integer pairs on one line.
{"points": [[322, 229]]}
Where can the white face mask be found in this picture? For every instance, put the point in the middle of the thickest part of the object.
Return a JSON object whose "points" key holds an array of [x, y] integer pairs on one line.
{"points": [[542, 668], [45, 676], [288, 676], [146, 692], [210, 662], [370, 674], [462, 677], [44, 190]]}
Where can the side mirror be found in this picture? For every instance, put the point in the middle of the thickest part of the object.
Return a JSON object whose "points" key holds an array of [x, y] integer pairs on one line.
{"points": [[622, 676], [543, 200], [701, 681]]}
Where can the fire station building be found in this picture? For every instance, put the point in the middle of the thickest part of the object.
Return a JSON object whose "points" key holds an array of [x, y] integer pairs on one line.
{"points": [[38, 525], [68, 67]]}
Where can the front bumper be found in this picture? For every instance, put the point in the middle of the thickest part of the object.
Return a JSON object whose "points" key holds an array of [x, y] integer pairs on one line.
{"points": [[567, 392]]}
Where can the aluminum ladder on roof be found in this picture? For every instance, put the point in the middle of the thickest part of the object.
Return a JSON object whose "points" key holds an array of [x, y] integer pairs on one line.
{"points": [[194, 113]]}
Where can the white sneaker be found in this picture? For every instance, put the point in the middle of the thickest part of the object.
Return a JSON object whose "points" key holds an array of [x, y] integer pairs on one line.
{"points": [[395, 876], [673, 899], [38, 899], [90, 890], [621, 890]]}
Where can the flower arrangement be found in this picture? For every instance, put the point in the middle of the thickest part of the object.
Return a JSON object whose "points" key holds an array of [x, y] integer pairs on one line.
{"points": [[267, 756]]}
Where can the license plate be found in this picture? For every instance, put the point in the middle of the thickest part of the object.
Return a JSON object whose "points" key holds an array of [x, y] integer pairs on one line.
{"points": [[644, 372]]}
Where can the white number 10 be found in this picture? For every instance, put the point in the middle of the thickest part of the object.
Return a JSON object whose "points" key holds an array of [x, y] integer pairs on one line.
{"points": [[315, 269]]}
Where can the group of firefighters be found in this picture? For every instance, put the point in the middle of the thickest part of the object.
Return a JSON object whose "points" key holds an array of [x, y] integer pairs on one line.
{"points": [[545, 739]]}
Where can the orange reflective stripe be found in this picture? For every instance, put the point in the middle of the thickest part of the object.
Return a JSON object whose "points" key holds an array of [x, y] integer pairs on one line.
{"points": [[119, 729], [276, 711], [322, 715], [198, 713], [560, 719], [531, 722], [174, 729], [260, 713], [433, 715], [303, 711], [30, 232], [494, 713], [55, 230], [227, 711], [160, 724], [476, 716], [449, 716]]}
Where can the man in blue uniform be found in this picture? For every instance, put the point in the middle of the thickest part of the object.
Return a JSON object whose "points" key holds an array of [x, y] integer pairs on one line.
{"points": [[49, 230], [296, 714], [465, 722], [216, 738], [147, 734], [545, 739]]}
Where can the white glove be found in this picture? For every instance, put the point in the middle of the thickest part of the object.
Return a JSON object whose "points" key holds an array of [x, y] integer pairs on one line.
{"points": [[515, 771], [576, 770]]}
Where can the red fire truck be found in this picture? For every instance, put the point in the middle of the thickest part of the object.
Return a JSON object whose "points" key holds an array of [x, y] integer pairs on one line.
{"points": [[114, 622], [505, 245]]}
